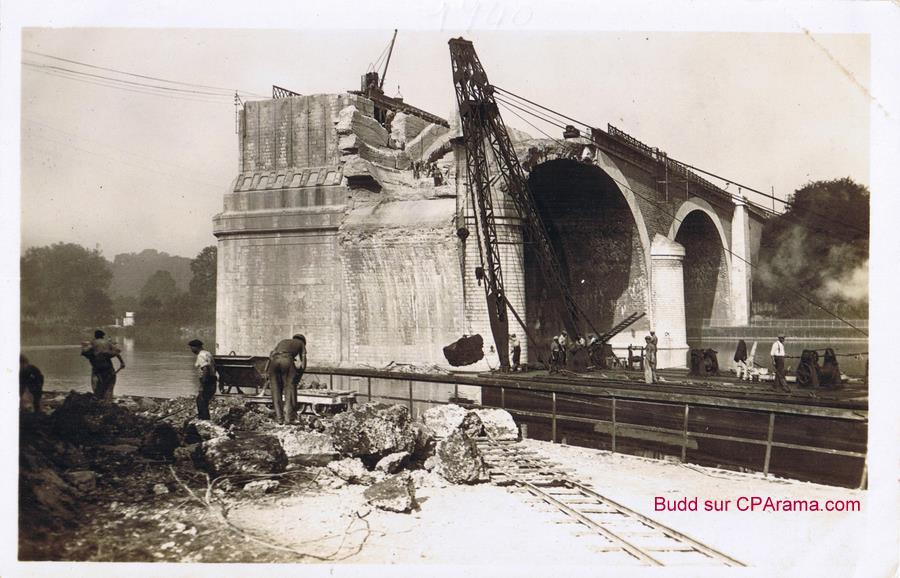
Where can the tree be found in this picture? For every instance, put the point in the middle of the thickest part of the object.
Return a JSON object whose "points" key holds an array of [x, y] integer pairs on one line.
{"points": [[159, 286], [203, 284], [203, 266], [66, 283], [820, 247]]}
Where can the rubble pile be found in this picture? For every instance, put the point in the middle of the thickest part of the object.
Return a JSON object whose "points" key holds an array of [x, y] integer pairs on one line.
{"points": [[94, 452]]}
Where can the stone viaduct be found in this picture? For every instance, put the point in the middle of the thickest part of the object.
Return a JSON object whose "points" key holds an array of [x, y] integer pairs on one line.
{"points": [[344, 228]]}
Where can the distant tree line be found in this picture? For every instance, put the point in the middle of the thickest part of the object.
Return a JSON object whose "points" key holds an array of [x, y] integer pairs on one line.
{"points": [[65, 289], [819, 247]]}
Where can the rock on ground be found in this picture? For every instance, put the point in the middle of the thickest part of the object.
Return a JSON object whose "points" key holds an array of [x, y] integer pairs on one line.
{"points": [[424, 443], [260, 486], [352, 471], [392, 463], [498, 423], [249, 417], [471, 425], [305, 447], [248, 454], [82, 418], [82, 480], [198, 430], [460, 460], [426, 479], [160, 442], [444, 419], [372, 431], [395, 494]]}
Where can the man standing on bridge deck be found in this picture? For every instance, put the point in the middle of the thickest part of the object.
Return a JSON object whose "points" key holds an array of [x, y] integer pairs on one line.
{"points": [[778, 359], [282, 375], [515, 351], [206, 368], [650, 361]]}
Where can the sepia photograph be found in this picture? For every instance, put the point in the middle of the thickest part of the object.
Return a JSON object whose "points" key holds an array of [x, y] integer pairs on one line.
{"points": [[476, 287]]}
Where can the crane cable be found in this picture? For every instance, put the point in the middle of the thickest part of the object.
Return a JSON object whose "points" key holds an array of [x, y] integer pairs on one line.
{"points": [[787, 204]]}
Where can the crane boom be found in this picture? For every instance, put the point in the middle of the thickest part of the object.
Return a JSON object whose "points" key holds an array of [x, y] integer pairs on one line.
{"points": [[387, 62], [483, 130]]}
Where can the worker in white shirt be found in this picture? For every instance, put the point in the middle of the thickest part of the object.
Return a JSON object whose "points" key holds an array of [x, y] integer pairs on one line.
{"points": [[778, 359]]}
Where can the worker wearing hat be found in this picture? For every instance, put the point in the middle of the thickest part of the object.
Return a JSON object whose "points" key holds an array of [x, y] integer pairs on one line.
{"points": [[778, 360], [206, 374], [283, 376]]}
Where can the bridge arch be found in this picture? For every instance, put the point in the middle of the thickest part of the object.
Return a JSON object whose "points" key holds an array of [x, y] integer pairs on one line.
{"points": [[707, 262], [597, 229]]}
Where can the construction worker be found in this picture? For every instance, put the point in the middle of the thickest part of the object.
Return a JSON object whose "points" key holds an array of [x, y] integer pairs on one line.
{"points": [[554, 354], [650, 376], [777, 354], [282, 374], [100, 352], [563, 348], [206, 375], [515, 351], [740, 361], [31, 378]]}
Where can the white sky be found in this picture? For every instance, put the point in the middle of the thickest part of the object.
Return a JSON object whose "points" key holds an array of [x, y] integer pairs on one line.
{"points": [[129, 171]]}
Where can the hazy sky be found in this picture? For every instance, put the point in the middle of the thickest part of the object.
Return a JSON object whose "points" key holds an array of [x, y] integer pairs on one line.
{"points": [[126, 171]]}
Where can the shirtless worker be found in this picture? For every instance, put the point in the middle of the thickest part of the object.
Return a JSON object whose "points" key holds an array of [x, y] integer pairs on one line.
{"points": [[284, 376]]}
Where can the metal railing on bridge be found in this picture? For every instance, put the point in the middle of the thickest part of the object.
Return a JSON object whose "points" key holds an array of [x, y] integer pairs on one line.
{"points": [[605, 415]]}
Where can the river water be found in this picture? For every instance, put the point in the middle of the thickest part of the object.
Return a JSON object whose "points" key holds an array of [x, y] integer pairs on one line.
{"points": [[148, 372]]}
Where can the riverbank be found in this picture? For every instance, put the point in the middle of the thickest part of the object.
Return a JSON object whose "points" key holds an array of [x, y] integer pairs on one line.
{"points": [[141, 509]]}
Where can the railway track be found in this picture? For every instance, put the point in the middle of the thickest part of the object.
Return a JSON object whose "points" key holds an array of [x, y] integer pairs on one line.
{"points": [[620, 529]]}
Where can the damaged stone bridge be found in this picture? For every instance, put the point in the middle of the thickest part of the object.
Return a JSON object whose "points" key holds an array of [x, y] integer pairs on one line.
{"points": [[344, 228]]}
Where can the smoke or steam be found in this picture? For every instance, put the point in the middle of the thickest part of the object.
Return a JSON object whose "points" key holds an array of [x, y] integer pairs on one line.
{"points": [[852, 286]]}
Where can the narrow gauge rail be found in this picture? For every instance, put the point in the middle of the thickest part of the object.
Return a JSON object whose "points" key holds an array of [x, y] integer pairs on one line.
{"points": [[620, 528]]}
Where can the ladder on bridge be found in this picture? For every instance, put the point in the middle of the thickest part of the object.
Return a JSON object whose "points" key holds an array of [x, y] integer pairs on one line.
{"points": [[620, 326]]}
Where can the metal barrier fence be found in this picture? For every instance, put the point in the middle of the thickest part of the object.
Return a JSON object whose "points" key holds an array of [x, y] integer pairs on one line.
{"points": [[790, 323], [601, 408]]}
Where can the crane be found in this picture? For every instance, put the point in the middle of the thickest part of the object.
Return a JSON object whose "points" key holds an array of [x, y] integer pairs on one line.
{"points": [[484, 132]]}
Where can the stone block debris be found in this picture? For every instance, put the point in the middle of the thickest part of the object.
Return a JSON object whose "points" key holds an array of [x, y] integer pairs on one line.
{"points": [[395, 494], [249, 454], [465, 351], [372, 431], [498, 424], [461, 461], [305, 447]]}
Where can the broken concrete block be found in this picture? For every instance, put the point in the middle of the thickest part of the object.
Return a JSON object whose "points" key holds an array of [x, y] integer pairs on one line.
{"points": [[373, 430], [305, 447], [443, 420], [160, 442], [392, 463], [248, 454], [461, 461], [351, 470], [395, 494], [198, 430], [348, 144], [471, 425], [498, 423], [465, 351]]}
